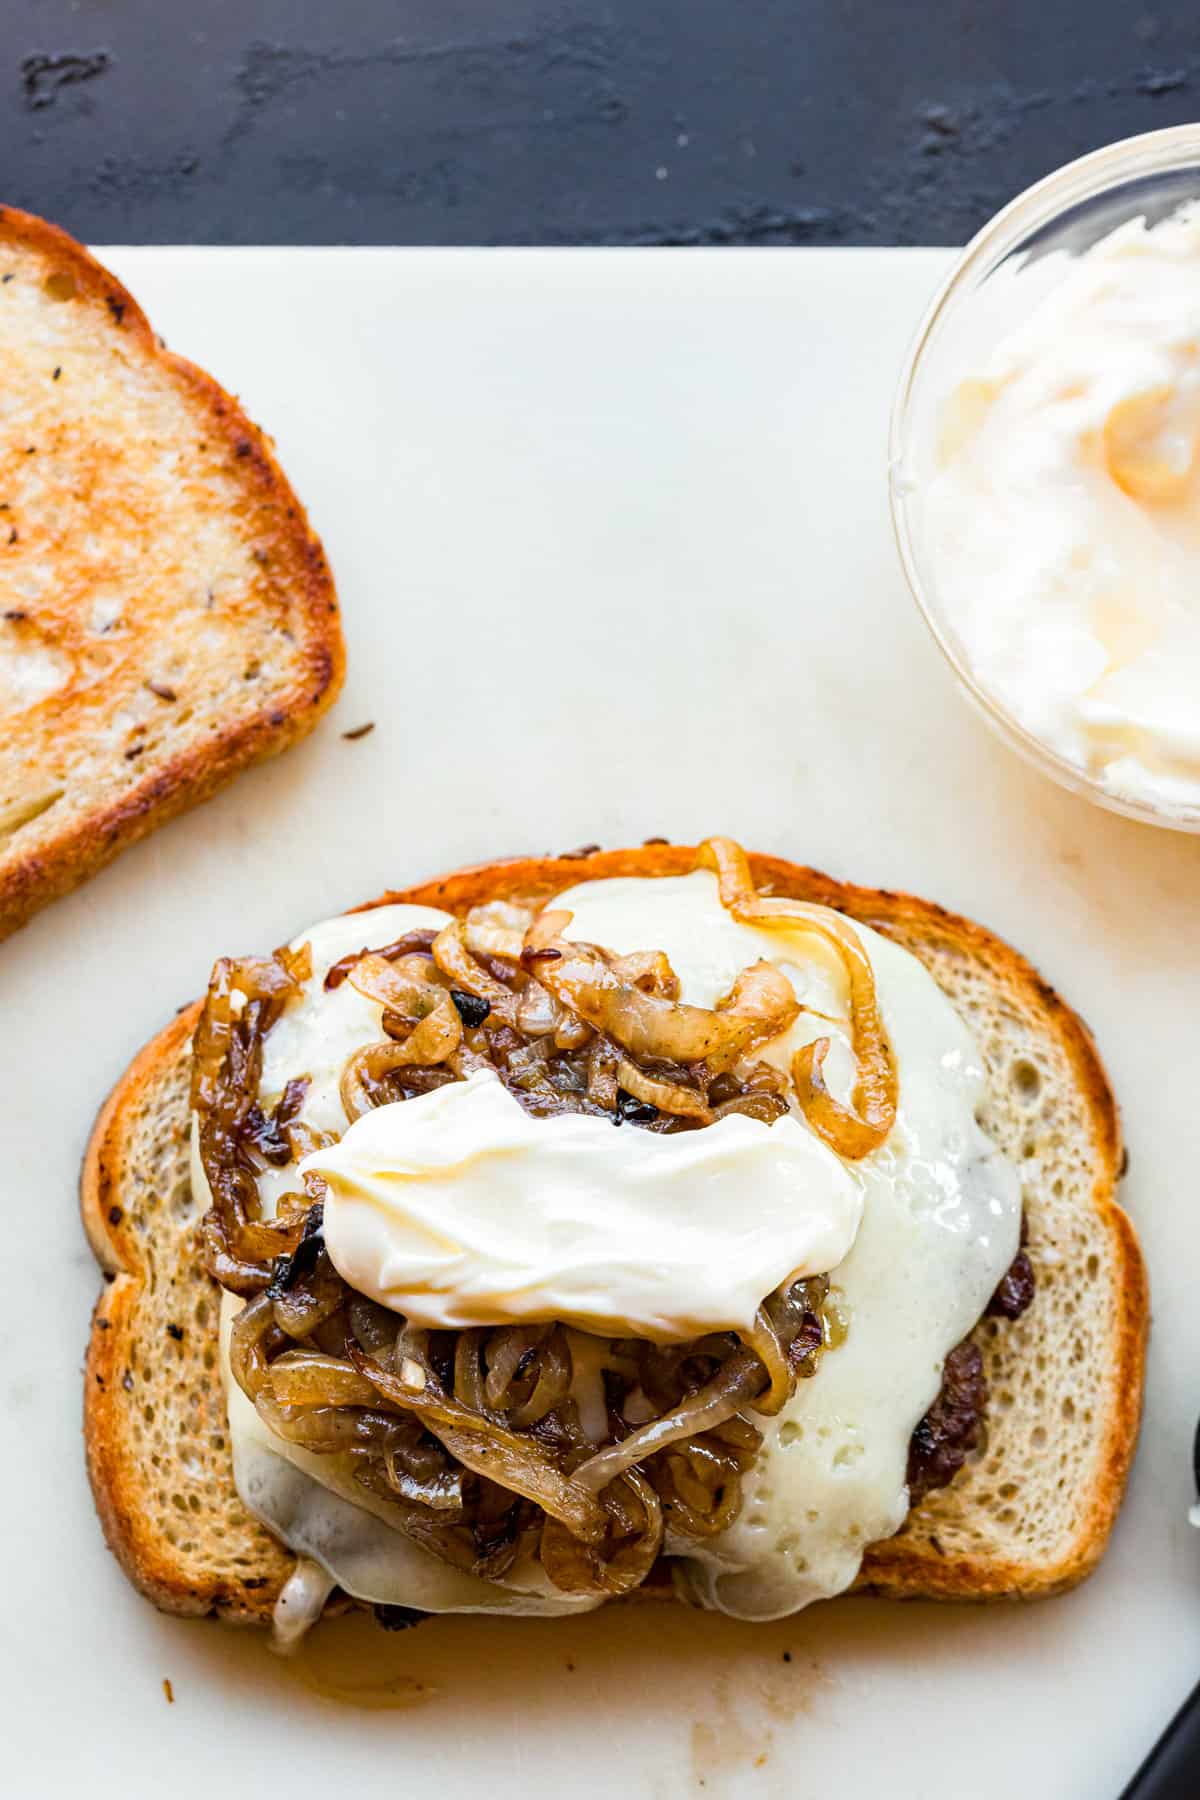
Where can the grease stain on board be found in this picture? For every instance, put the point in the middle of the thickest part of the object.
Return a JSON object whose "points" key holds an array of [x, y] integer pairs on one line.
{"points": [[735, 1736], [728, 1700], [350, 1661]]}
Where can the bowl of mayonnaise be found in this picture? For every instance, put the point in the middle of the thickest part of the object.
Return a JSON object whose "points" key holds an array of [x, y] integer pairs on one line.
{"points": [[1045, 474]]}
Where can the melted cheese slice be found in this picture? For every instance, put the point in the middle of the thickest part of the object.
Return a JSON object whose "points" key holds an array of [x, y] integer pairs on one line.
{"points": [[940, 1225]]}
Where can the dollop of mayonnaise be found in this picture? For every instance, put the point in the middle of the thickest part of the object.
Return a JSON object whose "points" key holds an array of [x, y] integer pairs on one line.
{"points": [[458, 1208], [1061, 514]]}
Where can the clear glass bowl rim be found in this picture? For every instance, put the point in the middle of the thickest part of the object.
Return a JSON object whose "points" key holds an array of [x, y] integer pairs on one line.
{"points": [[1151, 153]]}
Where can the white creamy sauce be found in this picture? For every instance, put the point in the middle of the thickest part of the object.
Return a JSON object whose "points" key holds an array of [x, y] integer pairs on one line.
{"points": [[458, 1208], [940, 1224], [1062, 513]]}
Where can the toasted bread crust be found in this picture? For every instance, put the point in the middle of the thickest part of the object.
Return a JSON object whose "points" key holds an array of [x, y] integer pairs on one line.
{"points": [[86, 843], [898, 1568], [117, 1482]]}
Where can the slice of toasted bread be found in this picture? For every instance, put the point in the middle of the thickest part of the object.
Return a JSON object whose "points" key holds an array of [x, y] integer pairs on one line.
{"points": [[1030, 1515], [166, 614]]}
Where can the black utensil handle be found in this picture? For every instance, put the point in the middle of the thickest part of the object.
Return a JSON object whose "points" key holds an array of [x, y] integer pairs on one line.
{"points": [[1172, 1769]]}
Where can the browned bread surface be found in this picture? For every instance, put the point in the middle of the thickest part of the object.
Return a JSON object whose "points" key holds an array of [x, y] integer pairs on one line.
{"points": [[166, 614], [1030, 1515]]}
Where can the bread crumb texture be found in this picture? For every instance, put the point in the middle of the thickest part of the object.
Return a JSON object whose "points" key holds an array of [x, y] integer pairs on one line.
{"points": [[1031, 1497], [176, 1464]]}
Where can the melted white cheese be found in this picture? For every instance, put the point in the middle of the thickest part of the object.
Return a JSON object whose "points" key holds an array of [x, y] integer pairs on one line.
{"points": [[940, 1226], [319, 1031], [300, 1604], [941, 1223]]}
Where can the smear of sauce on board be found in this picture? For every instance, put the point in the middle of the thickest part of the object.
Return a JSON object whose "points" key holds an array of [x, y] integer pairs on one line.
{"points": [[355, 1662]]}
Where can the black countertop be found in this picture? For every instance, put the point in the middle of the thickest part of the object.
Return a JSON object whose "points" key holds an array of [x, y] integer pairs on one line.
{"points": [[528, 122]]}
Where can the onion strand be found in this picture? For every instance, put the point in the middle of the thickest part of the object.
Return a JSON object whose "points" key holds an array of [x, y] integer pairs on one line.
{"points": [[853, 1131]]}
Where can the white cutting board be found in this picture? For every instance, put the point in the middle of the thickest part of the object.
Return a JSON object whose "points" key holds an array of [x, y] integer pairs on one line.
{"points": [[611, 534]]}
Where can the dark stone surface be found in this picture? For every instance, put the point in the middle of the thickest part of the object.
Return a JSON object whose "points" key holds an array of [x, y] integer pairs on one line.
{"points": [[514, 121]]}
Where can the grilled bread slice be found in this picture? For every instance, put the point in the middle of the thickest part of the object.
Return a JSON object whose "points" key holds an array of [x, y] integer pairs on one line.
{"points": [[1028, 1516], [166, 614]]}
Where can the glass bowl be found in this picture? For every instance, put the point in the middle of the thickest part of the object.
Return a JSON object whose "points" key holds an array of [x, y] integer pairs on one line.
{"points": [[1150, 177]]}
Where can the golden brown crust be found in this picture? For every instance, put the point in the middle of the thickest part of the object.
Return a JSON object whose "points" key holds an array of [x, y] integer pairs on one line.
{"points": [[114, 1243], [118, 1483], [899, 1568], [281, 530]]}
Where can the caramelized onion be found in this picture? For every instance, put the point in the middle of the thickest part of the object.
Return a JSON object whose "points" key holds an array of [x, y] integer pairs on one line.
{"points": [[498, 929], [479, 1443], [454, 959], [236, 985], [771, 1352], [418, 1468], [763, 996], [411, 944], [324, 1430], [441, 1533], [298, 963], [362, 1073], [736, 1384], [399, 987], [537, 1011], [253, 1332], [421, 1005], [699, 1483], [667, 1030], [510, 1351], [668, 1096], [303, 1140], [546, 927], [310, 1378], [649, 970], [766, 1108], [238, 1243], [238, 1274], [622, 1562], [265, 1138], [468, 1375], [304, 1305], [852, 1134], [542, 1385], [571, 1033], [852, 1131], [435, 1039], [602, 1065], [372, 1326]]}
